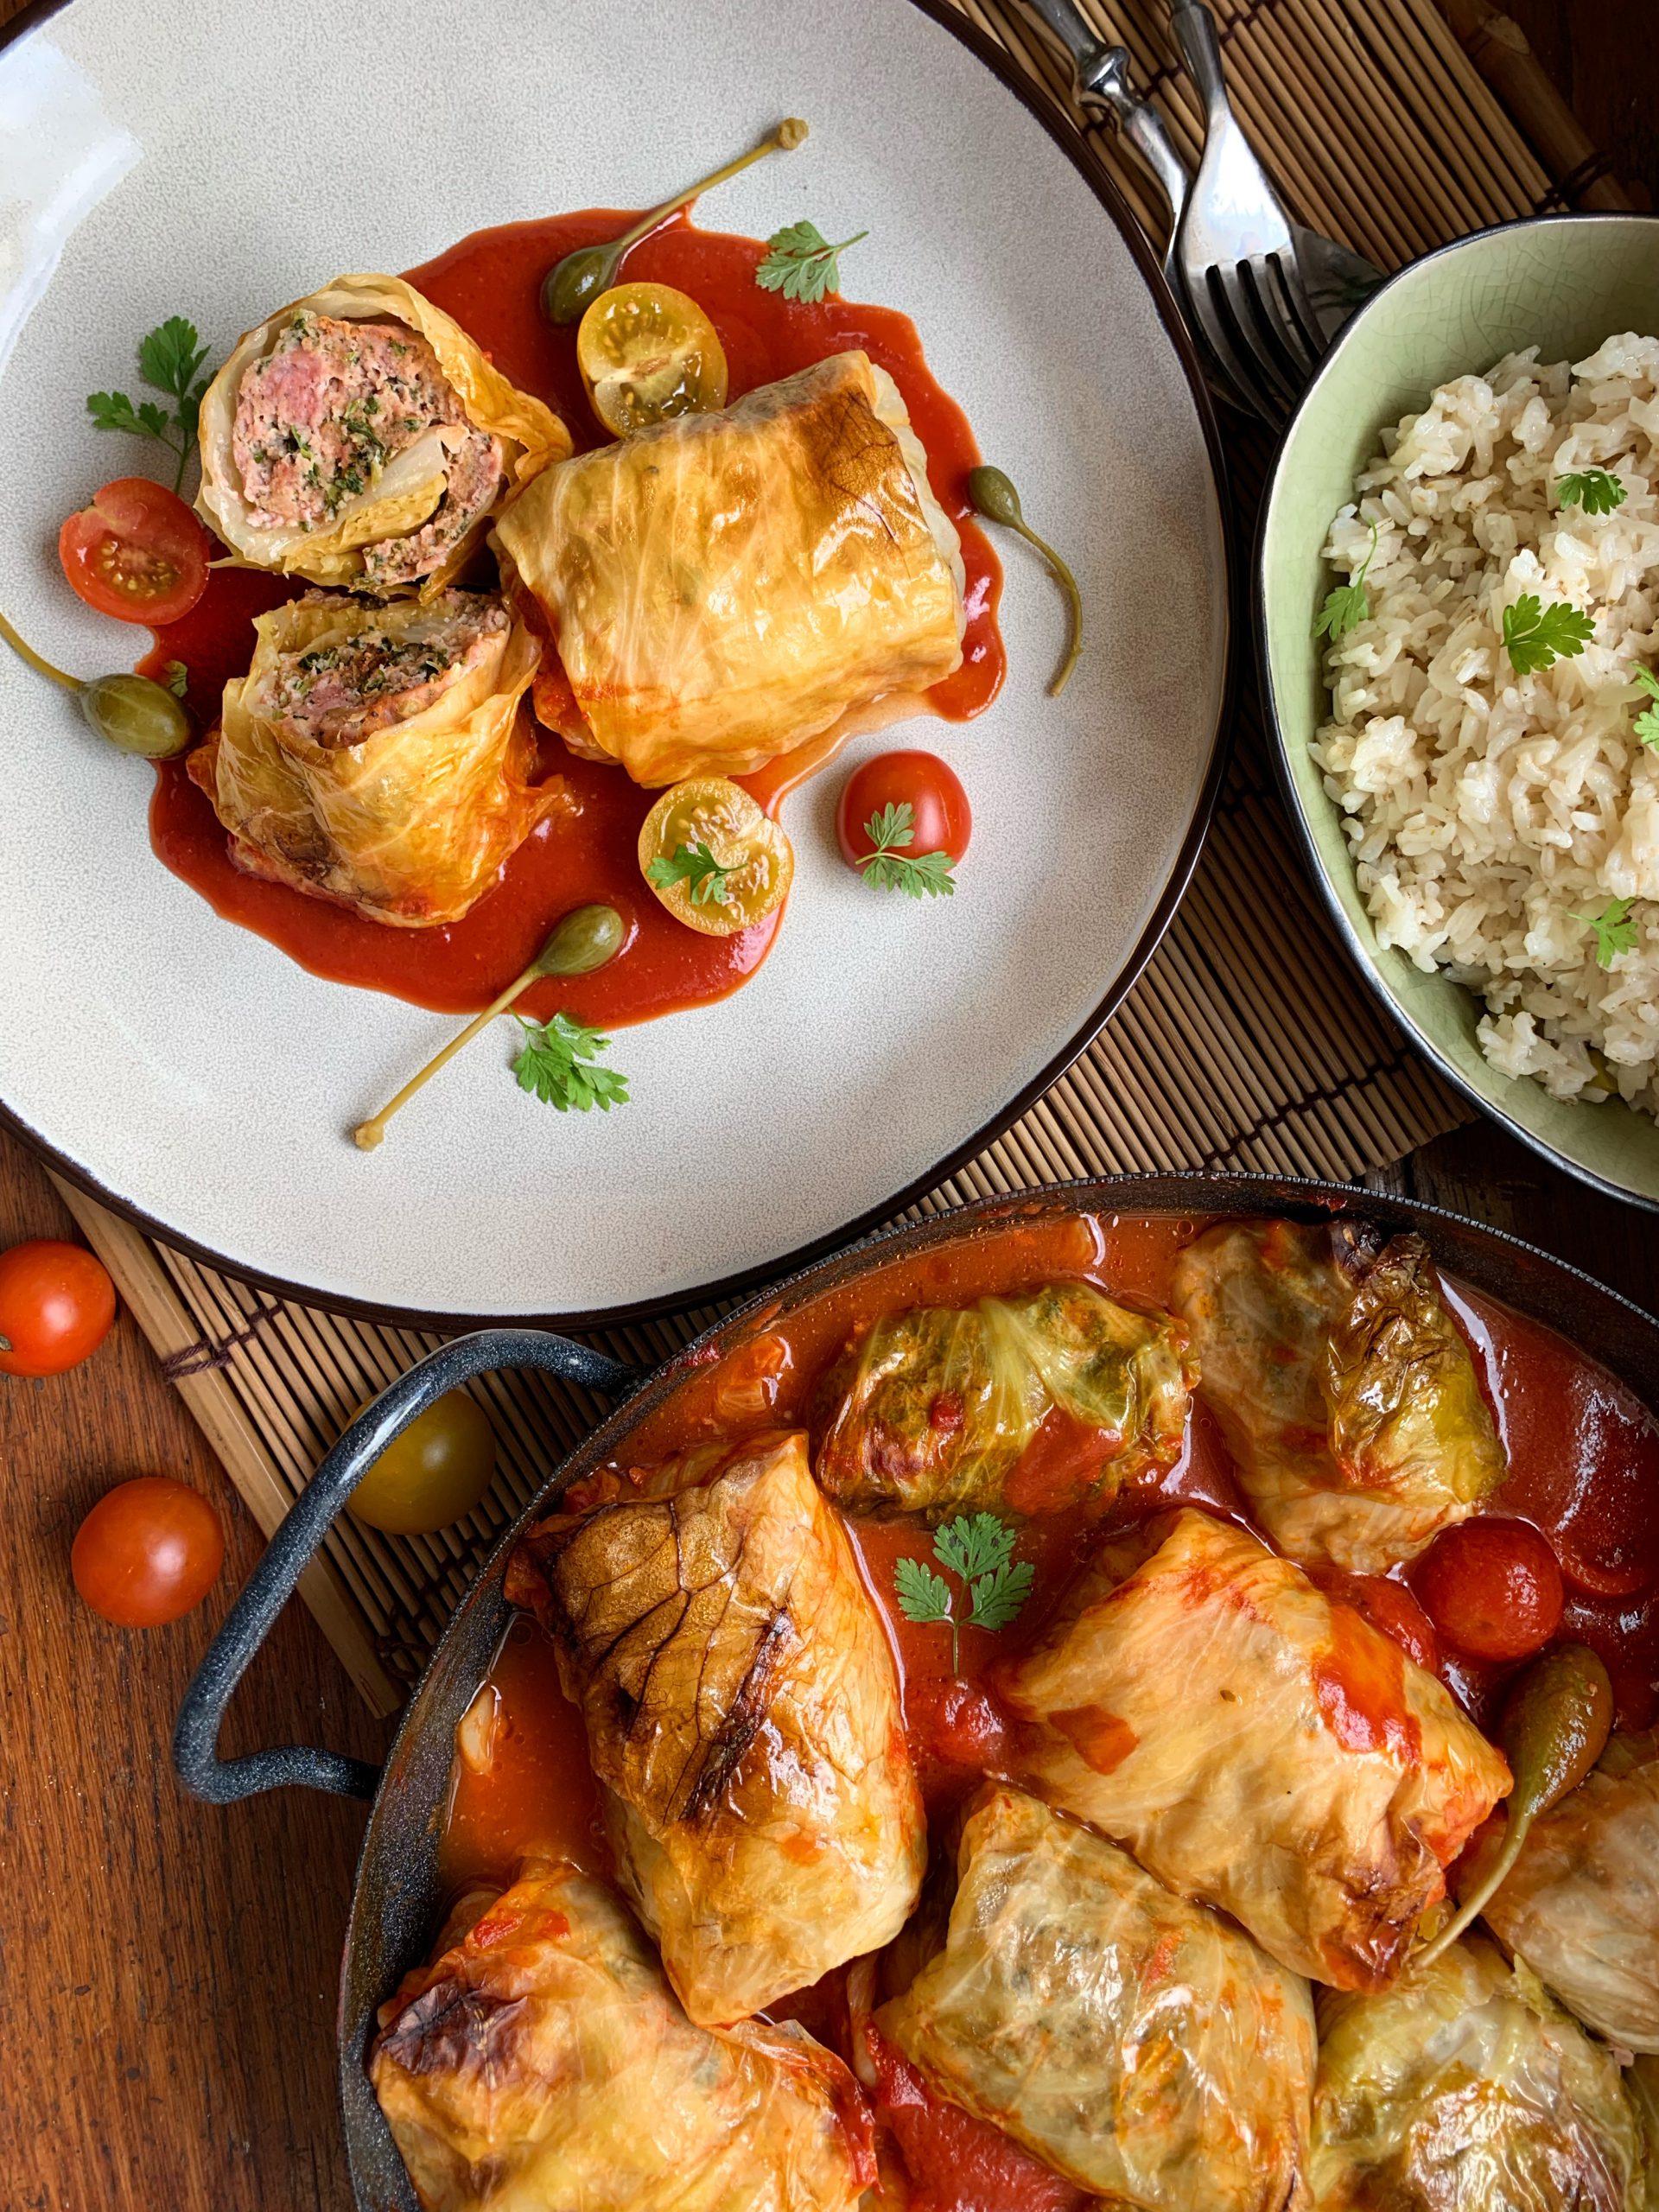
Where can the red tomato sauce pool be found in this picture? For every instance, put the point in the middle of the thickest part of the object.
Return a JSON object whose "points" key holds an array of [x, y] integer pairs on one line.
{"points": [[491, 282]]}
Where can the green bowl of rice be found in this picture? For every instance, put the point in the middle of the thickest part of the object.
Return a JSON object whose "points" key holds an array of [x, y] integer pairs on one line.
{"points": [[1468, 497]]}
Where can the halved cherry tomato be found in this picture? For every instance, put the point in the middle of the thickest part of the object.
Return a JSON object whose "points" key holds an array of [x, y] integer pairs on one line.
{"points": [[647, 353], [149, 1552], [436, 1471], [137, 553], [714, 860], [940, 819], [1491, 1587], [56, 1305]]}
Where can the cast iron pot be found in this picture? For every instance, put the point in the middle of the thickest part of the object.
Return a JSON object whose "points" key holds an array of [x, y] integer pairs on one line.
{"points": [[396, 1898]]}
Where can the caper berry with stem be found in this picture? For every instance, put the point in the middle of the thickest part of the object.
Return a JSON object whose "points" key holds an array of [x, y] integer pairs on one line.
{"points": [[992, 495], [572, 285], [134, 714]]}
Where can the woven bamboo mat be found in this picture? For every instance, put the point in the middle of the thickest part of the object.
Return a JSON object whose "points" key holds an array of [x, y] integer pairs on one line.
{"points": [[1247, 1043]]}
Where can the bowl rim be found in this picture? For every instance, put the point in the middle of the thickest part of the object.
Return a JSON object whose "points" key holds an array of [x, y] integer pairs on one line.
{"points": [[1348, 936]]}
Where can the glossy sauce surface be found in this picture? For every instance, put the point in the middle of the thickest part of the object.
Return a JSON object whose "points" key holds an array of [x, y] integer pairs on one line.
{"points": [[490, 283]]}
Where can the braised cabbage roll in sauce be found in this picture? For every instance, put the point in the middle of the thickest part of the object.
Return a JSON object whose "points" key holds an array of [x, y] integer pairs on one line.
{"points": [[1347, 1395], [743, 1717], [542, 2062], [377, 756], [1255, 1743], [1465, 2089], [1142, 2046], [359, 437], [722, 588], [1026, 1405]]}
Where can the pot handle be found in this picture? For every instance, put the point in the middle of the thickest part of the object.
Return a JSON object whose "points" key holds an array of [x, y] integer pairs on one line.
{"points": [[195, 1739]]}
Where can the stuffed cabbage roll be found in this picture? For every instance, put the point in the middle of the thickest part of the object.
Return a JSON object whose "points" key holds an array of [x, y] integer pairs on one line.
{"points": [[743, 1717], [376, 756], [1642, 2087], [1255, 1743], [1143, 2047], [360, 437], [1581, 1906], [542, 2061], [1464, 2088], [1347, 1396], [724, 587], [1026, 1405]]}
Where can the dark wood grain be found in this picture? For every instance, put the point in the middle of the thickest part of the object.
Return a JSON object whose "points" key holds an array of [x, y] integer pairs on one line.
{"points": [[1604, 57]]}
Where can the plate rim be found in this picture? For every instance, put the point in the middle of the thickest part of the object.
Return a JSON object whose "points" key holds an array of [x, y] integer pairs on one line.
{"points": [[1235, 569]]}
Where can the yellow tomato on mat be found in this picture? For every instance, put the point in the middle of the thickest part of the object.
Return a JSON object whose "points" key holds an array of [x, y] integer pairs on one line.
{"points": [[436, 1471], [714, 859], [647, 353]]}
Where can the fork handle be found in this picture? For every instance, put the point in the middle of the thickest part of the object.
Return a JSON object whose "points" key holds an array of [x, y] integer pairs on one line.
{"points": [[1100, 77], [1195, 32]]}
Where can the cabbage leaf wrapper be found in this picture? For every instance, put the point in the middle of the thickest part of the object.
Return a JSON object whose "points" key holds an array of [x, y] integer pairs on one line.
{"points": [[743, 1717], [408, 821], [1346, 1394], [1465, 2089], [542, 2059], [1255, 1743], [387, 492], [1581, 1905], [1142, 2046], [724, 587], [934, 1410], [1641, 2085]]}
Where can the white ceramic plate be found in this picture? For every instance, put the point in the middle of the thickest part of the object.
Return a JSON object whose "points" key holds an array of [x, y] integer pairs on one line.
{"points": [[207, 157]]}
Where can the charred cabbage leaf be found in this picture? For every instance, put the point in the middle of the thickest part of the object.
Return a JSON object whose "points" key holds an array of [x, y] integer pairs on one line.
{"points": [[1581, 1906], [407, 820], [1255, 1743], [1143, 2047], [1464, 2088], [935, 1410], [743, 1717], [1347, 1396], [542, 2060], [725, 587]]}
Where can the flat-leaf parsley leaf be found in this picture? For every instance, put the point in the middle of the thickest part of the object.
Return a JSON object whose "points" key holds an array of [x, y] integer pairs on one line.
{"points": [[1647, 723], [176, 676], [1598, 491], [802, 265], [1614, 931], [890, 868], [556, 1063], [1349, 604], [1535, 636], [978, 1549], [170, 359], [695, 867]]}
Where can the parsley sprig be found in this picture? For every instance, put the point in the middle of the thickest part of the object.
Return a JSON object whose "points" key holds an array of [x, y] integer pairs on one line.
{"points": [[978, 1549], [890, 868], [1535, 636], [695, 867], [176, 676], [170, 359], [802, 265], [1646, 725], [1349, 604], [556, 1062], [1598, 491], [1614, 931]]}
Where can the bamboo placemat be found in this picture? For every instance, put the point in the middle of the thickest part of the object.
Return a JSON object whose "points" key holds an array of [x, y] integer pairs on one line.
{"points": [[1247, 1042]]}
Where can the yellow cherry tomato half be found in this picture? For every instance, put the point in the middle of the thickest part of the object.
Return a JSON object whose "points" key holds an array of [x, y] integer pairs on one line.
{"points": [[436, 1471], [647, 353], [714, 860]]}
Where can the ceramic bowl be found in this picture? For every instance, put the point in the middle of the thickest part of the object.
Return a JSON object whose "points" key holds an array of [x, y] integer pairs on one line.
{"points": [[1561, 283]]}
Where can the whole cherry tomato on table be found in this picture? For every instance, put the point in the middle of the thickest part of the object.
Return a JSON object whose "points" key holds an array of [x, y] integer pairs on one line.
{"points": [[149, 1552], [137, 553], [1491, 1587], [56, 1305]]}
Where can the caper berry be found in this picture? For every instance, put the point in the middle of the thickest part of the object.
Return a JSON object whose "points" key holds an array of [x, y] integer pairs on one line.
{"points": [[586, 938], [993, 495], [572, 285], [136, 715]]}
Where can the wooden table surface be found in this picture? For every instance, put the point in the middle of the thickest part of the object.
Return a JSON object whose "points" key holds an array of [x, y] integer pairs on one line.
{"points": [[167, 1986]]}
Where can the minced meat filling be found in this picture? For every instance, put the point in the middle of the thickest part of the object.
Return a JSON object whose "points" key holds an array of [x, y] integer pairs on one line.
{"points": [[475, 471], [341, 690]]}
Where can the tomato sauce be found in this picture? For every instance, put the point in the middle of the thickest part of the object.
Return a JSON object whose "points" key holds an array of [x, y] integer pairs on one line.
{"points": [[491, 284]]}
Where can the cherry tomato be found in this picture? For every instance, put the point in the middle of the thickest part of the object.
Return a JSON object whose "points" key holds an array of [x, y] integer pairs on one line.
{"points": [[1390, 1609], [647, 353], [137, 553], [1491, 1587], [940, 820], [149, 1551], [56, 1305], [954, 1723], [714, 859], [437, 1470]]}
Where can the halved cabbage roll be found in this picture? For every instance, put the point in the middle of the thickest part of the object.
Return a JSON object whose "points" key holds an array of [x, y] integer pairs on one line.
{"points": [[542, 2060], [1254, 1744], [1347, 1396], [359, 437], [724, 587], [743, 1716], [1464, 2088], [935, 1410], [1142, 2046], [376, 756], [1581, 1906]]}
